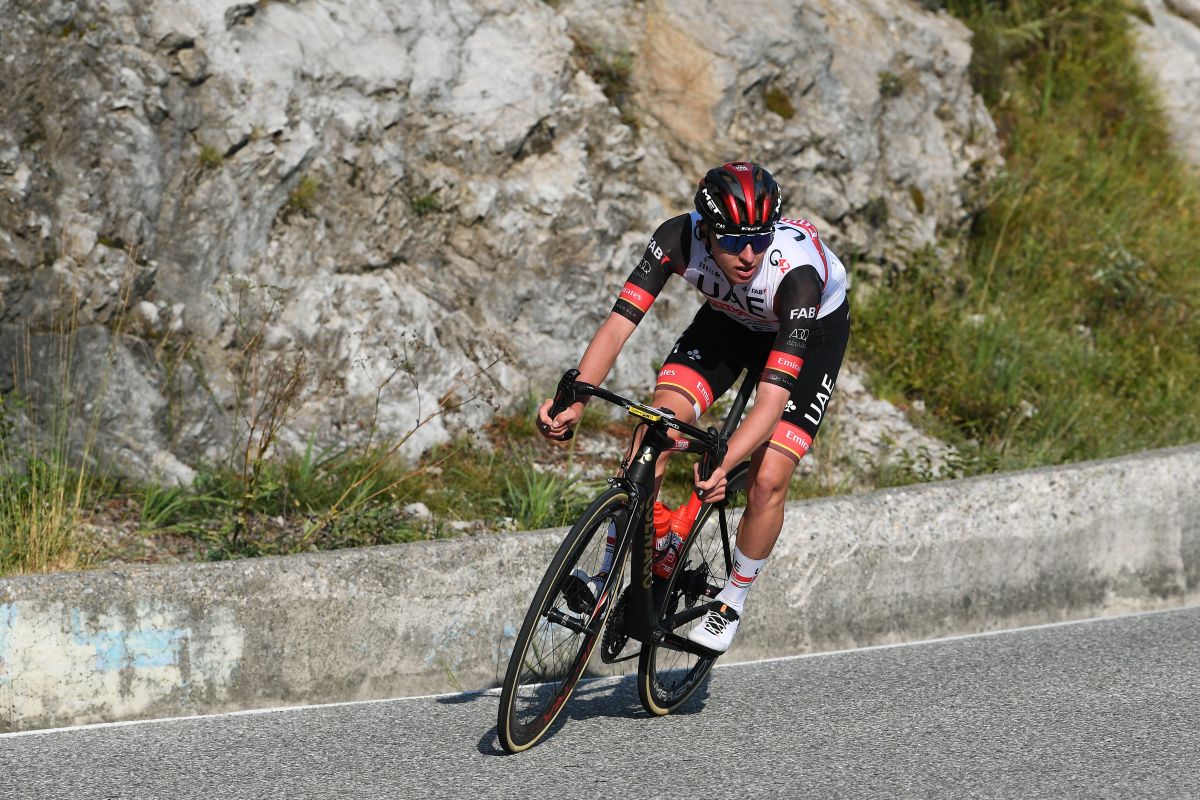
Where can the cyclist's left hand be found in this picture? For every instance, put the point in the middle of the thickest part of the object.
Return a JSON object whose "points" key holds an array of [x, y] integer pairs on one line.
{"points": [[714, 487]]}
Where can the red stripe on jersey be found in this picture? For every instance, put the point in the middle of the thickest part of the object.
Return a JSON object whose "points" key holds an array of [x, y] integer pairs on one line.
{"points": [[637, 297], [688, 381], [785, 363], [812, 231], [790, 439]]}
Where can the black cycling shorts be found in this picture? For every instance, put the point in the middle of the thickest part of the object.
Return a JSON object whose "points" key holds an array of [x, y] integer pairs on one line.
{"points": [[713, 351]]}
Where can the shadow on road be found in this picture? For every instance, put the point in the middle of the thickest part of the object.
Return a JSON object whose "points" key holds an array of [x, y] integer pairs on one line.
{"points": [[601, 698], [466, 697]]}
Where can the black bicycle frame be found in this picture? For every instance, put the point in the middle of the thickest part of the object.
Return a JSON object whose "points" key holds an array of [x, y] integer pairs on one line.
{"points": [[641, 618]]}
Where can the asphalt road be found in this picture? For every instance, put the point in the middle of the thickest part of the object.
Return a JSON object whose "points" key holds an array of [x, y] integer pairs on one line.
{"points": [[1087, 710]]}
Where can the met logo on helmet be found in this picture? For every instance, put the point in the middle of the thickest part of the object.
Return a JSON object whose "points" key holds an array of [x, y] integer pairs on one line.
{"points": [[712, 204]]}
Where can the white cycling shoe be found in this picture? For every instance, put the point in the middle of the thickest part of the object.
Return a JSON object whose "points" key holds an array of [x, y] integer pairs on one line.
{"points": [[716, 630]]}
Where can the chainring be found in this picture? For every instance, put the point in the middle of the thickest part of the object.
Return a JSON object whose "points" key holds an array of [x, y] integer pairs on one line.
{"points": [[615, 637]]}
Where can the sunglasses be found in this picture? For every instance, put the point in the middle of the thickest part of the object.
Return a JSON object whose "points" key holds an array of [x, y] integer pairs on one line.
{"points": [[735, 244]]}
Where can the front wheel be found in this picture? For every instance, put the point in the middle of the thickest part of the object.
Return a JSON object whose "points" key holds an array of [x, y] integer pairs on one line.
{"points": [[667, 676], [560, 628]]}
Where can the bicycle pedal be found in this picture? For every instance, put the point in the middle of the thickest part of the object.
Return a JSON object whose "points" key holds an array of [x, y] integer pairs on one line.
{"points": [[615, 637]]}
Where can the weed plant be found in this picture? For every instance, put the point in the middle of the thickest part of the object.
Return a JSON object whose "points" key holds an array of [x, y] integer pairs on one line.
{"points": [[45, 487], [304, 197], [263, 502], [612, 71], [1071, 330], [321, 501]]}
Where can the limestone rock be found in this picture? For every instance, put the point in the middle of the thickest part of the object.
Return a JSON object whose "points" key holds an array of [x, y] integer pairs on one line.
{"points": [[1169, 49], [386, 205]]}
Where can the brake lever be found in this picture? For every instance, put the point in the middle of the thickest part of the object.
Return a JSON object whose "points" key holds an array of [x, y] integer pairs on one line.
{"points": [[564, 397], [712, 459]]}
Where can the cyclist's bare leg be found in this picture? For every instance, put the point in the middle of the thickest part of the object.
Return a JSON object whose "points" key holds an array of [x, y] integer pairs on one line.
{"points": [[684, 412], [770, 473]]}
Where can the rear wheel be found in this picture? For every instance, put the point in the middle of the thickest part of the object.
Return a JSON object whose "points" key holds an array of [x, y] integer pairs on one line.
{"points": [[667, 676], [560, 628]]}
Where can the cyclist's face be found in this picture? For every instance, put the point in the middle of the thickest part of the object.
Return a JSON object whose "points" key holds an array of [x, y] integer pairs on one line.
{"points": [[739, 268]]}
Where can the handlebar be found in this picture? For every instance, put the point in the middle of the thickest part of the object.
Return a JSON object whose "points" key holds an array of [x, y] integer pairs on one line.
{"points": [[712, 442]]}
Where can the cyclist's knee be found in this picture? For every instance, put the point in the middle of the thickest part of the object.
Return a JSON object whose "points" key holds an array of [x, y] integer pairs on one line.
{"points": [[679, 405], [771, 477], [765, 494]]}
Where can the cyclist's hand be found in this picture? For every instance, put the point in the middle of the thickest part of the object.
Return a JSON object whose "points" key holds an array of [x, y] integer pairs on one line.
{"points": [[556, 428], [714, 487]]}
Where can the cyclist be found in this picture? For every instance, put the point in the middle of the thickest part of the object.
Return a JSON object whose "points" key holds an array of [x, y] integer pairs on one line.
{"points": [[775, 303]]}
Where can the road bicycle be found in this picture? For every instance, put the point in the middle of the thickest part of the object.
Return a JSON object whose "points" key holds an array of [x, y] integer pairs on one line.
{"points": [[565, 619]]}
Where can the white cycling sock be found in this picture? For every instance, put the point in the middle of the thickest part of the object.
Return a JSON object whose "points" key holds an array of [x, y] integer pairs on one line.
{"points": [[744, 571]]}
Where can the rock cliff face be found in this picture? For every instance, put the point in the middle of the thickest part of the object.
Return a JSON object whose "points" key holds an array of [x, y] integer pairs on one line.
{"points": [[1169, 49], [368, 207]]}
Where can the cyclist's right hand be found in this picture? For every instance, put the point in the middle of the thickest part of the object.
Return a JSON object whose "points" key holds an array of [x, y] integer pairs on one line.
{"points": [[557, 427]]}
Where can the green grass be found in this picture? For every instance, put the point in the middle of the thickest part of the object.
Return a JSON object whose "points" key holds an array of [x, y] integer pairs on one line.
{"points": [[40, 510], [777, 101], [426, 204], [1070, 330], [211, 158], [612, 71], [304, 197]]}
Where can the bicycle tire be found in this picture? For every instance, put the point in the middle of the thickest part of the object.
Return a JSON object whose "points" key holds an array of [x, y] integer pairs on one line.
{"points": [[668, 676], [548, 657]]}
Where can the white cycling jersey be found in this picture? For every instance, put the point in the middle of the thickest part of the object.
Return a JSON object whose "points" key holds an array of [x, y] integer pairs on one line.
{"points": [[795, 246], [798, 283]]}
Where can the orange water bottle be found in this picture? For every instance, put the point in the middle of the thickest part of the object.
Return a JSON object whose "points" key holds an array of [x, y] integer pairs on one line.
{"points": [[677, 532]]}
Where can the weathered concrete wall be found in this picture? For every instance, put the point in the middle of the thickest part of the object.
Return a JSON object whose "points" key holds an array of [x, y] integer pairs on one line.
{"points": [[930, 560]]}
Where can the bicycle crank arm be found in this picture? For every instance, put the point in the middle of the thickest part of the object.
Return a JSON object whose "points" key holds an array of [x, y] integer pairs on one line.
{"points": [[559, 618], [677, 642], [684, 617]]}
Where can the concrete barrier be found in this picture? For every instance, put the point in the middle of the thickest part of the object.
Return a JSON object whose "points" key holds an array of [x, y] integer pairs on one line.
{"points": [[937, 559]]}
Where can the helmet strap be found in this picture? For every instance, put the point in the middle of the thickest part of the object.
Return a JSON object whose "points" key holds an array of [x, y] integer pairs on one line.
{"points": [[705, 230]]}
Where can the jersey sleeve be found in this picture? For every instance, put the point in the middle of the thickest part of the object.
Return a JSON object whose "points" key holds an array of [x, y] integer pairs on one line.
{"points": [[666, 253], [796, 303]]}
